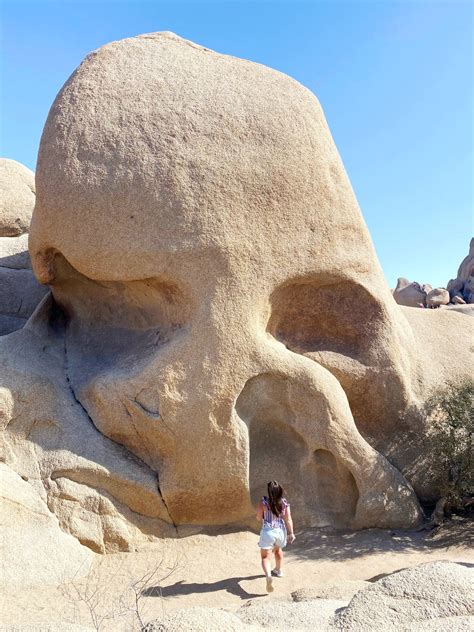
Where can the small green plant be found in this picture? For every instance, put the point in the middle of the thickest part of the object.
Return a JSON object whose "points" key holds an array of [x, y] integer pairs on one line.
{"points": [[451, 414]]}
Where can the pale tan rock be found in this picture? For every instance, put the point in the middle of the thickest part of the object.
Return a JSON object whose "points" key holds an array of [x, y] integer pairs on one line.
{"points": [[281, 615], [34, 549], [342, 589], [100, 493], [410, 294], [423, 594], [14, 253], [218, 318], [467, 308], [437, 297], [185, 215], [457, 299], [17, 198], [426, 287], [20, 293], [199, 620]]}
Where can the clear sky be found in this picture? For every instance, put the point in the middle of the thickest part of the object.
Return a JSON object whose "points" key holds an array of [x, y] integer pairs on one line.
{"points": [[395, 80]]}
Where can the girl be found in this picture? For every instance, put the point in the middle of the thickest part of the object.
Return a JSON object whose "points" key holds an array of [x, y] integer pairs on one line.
{"points": [[274, 512]]}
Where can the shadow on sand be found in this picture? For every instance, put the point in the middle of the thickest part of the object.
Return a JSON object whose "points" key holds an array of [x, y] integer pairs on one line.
{"points": [[230, 585], [331, 545]]}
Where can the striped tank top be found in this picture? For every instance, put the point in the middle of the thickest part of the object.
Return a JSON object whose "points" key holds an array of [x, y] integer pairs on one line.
{"points": [[269, 519]]}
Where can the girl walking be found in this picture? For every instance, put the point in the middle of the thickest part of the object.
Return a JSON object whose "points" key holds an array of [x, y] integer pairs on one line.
{"points": [[277, 526]]}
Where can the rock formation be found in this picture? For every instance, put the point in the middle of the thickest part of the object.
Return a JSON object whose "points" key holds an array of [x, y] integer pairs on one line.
{"points": [[34, 548], [410, 294], [461, 289], [20, 293], [218, 315], [17, 198], [437, 297], [458, 291], [434, 594]]}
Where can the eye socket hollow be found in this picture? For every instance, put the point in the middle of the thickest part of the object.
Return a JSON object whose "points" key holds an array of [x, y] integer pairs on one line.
{"points": [[141, 305], [312, 314]]}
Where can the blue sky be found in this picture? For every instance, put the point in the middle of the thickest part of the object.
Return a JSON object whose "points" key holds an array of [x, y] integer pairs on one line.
{"points": [[395, 80]]}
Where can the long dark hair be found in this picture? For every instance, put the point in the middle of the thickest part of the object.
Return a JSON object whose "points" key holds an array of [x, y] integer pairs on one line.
{"points": [[275, 497]]}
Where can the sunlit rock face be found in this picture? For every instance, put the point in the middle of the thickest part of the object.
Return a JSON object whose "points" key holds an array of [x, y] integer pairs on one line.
{"points": [[218, 315], [20, 292]]}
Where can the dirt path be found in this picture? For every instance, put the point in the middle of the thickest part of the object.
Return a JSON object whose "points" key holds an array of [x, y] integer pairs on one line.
{"points": [[224, 571]]}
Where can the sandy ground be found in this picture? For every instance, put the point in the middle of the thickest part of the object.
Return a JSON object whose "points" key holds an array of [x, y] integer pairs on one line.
{"points": [[221, 571]]}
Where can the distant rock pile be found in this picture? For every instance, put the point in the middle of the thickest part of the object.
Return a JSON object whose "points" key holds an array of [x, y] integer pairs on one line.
{"points": [[459, 291]]}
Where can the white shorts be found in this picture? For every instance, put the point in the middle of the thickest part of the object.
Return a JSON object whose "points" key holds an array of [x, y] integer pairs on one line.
{"points": [[272, 538]]}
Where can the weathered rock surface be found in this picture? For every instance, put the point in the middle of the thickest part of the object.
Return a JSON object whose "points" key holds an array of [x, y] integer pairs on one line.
{"points": [[100, 494], [457, 299], [437, 297], [463, 284], [336, 590], [199, 620], [281, 615], [34, 548], [437, 592], [410, 294], [17, 198], [468, 290], [218, 313], [20, 292], [181, 187], [466, 308]]}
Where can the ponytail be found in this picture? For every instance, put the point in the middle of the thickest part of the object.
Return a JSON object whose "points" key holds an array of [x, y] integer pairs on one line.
{"points": [[275, 498]]}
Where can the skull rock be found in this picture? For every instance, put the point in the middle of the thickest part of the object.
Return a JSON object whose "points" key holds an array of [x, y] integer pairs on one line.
{"points": [[227, 320]]}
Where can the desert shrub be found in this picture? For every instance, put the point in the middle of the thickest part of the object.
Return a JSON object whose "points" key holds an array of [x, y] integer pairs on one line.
{"points": [[451, 413]]}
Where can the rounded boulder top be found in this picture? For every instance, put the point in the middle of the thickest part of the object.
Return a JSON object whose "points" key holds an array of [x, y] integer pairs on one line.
{"points": [[157, 145], [17, 198]]}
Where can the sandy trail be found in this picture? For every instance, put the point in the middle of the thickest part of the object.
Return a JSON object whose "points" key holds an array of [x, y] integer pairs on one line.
{"points": [[224, 571]]}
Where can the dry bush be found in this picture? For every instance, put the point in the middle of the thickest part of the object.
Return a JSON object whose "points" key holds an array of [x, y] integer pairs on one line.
{"points": [[451, 414], [93, 592]]}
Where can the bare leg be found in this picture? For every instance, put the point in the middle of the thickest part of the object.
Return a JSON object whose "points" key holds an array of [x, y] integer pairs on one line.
{"points": [[266, 561], [267, 568], [278, 558]]}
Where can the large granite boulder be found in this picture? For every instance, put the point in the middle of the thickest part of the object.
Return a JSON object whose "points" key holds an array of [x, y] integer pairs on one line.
{"points": [[218, 313], [410, 294], [17, 198], [138, 234], [437, 297], [434, 595]]}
